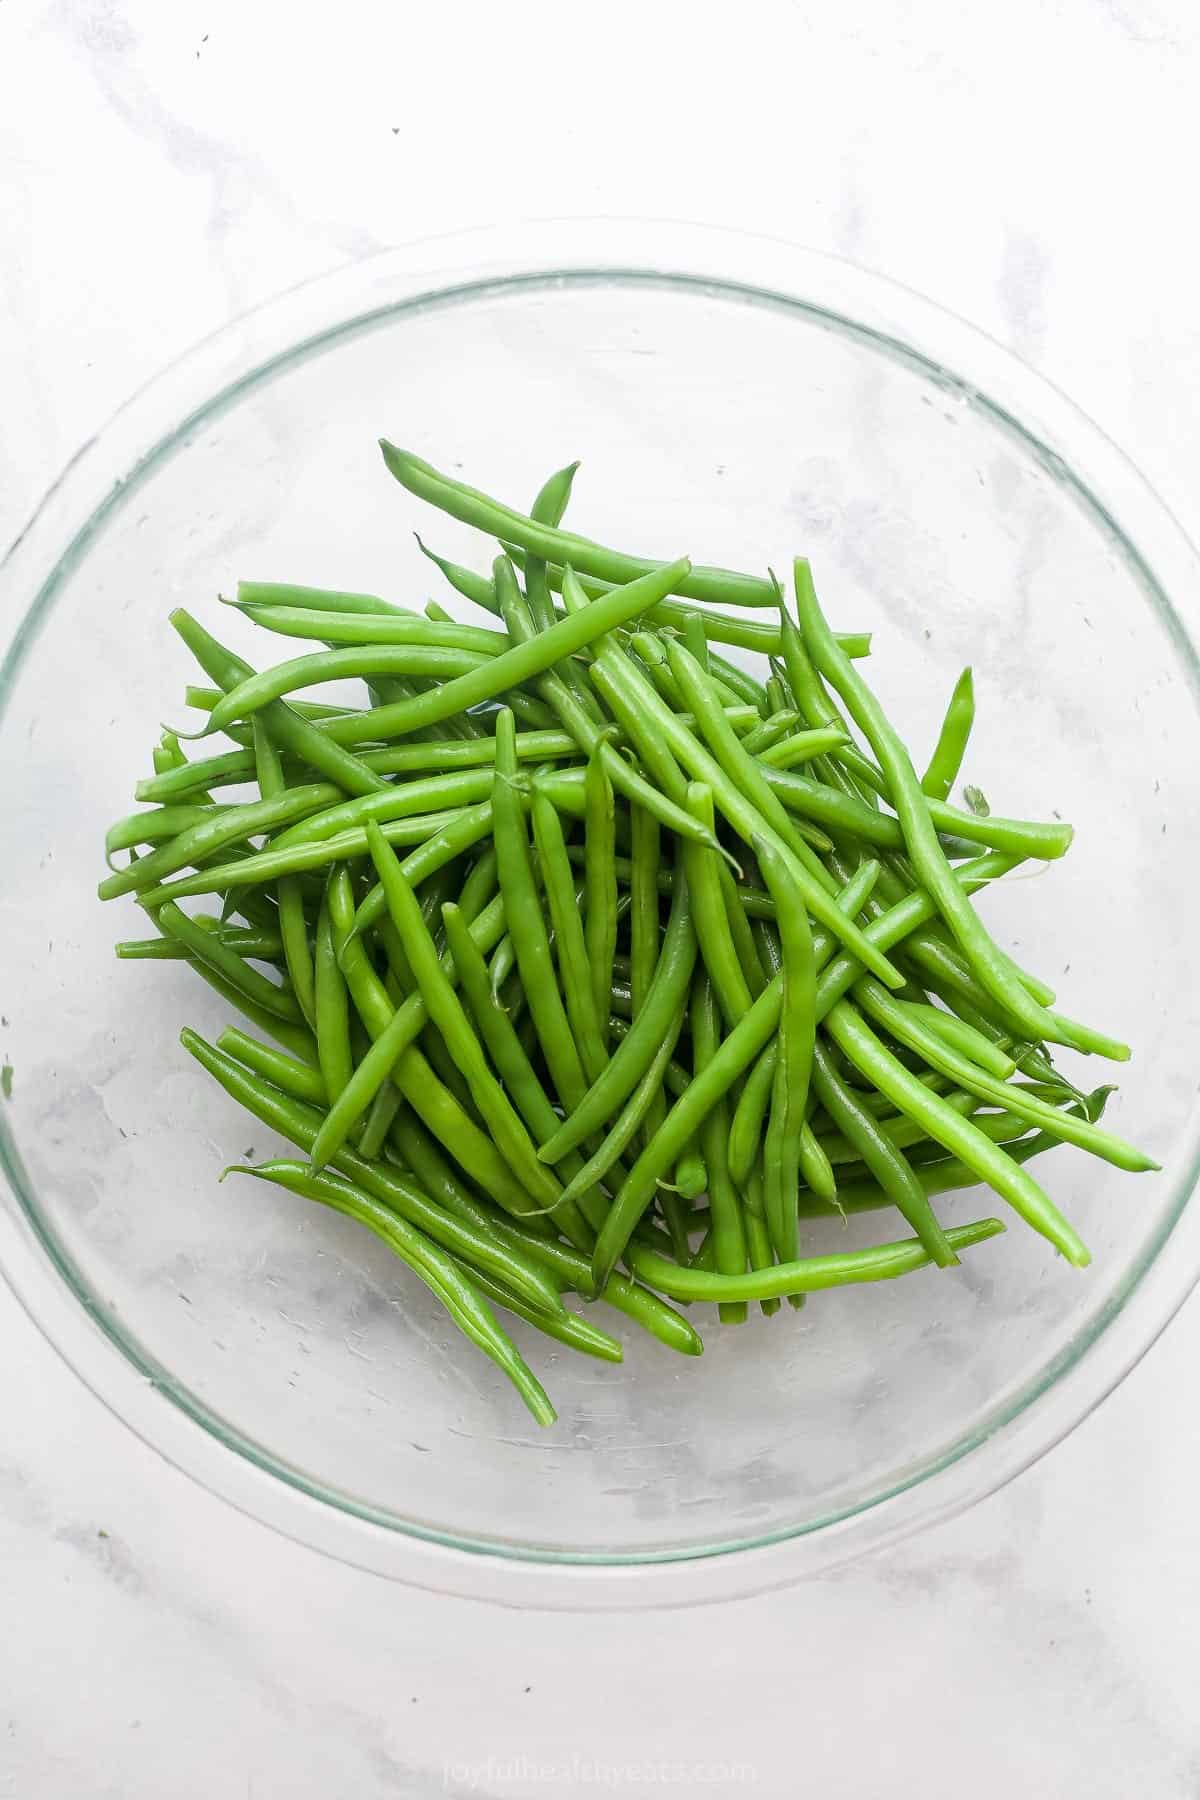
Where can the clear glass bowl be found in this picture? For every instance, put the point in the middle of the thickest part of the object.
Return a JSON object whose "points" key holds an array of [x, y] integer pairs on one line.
{"points": [[737, 400]]}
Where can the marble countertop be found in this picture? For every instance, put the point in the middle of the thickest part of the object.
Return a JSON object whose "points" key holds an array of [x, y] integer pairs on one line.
{"points": [[162, 168]]}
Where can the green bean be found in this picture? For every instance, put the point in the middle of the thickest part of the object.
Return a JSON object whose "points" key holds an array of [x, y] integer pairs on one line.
{"points": [[570, 944], [286, 727], [378, 1122], [777, 725], [299, 1079], [880, 1263], [312, 599], [728, 1225], [365, 628], [442, 1275], [742, 933], [710, 917], [206, 947], [852, 817], [297, 1039], [816, 1169], [474, 508], [252, 941], [802, 746], [645, 925], [600, 891], [220, 827], [163, 824], [548, 508], [797, 1028], [410, 1147], [438, 838], [205, 698], [694, 638], [430, 663], [533, 1238], [434, 793], [950, 748], [855, 1037], [691, 1175], [527, 926], [186, 779], [293, 927], [492, 676], [908, 1133], [630, 1061]]}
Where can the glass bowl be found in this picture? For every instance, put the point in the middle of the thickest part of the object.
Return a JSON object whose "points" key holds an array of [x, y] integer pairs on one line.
{"points": [[738, 400]]}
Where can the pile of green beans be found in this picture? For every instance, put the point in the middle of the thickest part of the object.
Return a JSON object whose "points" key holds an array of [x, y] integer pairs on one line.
{"points": [[579, 959]]}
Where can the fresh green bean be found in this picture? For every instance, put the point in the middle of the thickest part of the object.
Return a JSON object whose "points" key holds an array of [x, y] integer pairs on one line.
{"points": [[570, 944], [710, 916], [368, 628], [950, 748], [293, 926], [854, 1036], [313, 599], [844, 1268], [252, 941], [298, 1079], [776, 726], [728, 1225], [801, 746], [599, 892], [206, 947], [527, 926], [797, 1030]]}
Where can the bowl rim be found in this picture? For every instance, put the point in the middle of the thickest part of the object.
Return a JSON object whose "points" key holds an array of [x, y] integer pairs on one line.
{"points": [[211, 376]]}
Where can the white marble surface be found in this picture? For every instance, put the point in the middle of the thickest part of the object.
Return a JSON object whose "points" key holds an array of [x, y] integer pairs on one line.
{"points": [[162, 167]]}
